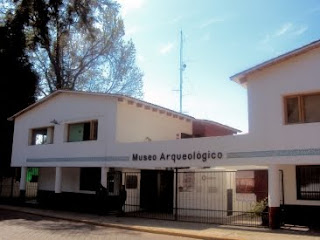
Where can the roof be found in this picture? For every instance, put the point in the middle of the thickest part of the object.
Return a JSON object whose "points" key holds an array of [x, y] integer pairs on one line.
{"points": [[210, 122], [117, 96], [241, 77]]}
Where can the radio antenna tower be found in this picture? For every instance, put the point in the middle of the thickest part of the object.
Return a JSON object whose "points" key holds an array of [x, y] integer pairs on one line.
{"points": [[182, 68]]}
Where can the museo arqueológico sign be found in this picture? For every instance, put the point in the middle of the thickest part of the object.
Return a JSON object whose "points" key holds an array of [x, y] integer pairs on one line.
{"points": [[202, 156]]}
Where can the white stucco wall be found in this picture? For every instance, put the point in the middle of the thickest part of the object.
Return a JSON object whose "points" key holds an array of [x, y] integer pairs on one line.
{"points": [[135, 124], [66, 109], [70, 180], [46, 179], [266, 90]]}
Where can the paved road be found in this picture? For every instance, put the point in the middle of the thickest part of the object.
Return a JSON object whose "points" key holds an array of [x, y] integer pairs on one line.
{"points": [[16, 225]]}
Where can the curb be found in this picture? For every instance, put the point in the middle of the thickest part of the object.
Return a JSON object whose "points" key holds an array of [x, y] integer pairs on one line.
{"points": [[120, 226]]}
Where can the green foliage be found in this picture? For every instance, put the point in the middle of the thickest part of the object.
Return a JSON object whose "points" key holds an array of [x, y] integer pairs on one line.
{"points": [[78, 45], [260, 207], [18, 85]]}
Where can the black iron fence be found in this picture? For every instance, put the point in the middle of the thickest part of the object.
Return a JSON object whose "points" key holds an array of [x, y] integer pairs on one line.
{"points": [[10, 186], [220, 197], [205, 196]]}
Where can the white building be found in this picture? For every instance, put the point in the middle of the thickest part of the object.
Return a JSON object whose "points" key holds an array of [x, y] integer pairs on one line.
{"points": [[67, 132]]}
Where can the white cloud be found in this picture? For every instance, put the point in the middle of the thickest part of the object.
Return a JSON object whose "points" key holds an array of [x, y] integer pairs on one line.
{"points": [[210, 22], [130, 5], [165, 49], [285, 28], [300, 30], [290, 29]]}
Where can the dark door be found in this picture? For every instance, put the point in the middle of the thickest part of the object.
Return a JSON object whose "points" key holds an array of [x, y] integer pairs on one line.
{"points": [[165, 201], [148, 189], [156, 190]]}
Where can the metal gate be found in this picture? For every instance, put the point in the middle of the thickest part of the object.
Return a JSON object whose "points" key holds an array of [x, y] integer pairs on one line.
{"points": [[205, 196], [32, 185]]}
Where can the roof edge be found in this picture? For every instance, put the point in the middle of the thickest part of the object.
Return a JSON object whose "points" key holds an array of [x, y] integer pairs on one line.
{"points": [[95, 94], [241, 76], [117, 96], [219, 124]]}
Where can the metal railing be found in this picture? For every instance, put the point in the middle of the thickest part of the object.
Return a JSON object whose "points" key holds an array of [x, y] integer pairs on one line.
{"points": [[193, 196]]}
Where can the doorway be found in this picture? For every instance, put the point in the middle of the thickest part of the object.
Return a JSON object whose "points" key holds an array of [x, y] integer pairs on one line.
{"points": [[156, 193], [114, 180]]}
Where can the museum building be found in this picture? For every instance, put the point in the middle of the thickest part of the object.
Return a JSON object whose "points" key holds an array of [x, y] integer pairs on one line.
{"points": [[173, 163]]}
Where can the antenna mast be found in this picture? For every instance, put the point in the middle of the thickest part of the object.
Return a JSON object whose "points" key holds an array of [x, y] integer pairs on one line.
{"points": [[182, 67]]}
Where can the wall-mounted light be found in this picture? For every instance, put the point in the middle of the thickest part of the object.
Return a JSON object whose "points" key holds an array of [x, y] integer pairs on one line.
{"points": [[54, 121]]}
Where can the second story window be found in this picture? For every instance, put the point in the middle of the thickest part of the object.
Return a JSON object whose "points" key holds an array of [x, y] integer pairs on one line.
{"points": [[41, 136], [304, 108], [83, 131]]}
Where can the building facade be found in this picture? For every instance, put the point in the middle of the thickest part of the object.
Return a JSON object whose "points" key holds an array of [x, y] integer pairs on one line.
{"points": [[77, 139]]}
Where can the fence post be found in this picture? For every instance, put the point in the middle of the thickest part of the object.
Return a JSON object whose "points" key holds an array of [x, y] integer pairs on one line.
{"points": [[176, 200], [11, 190]]}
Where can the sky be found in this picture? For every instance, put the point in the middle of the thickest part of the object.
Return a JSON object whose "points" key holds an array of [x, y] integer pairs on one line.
{"points": [[220, 38]]}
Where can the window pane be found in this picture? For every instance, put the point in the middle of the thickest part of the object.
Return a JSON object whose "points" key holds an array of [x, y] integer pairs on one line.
{"points": [[76, 132], [86, 131], [83, 131], [308, 181], [131, 182], [292, 110], [95, 130], [40, 139], [312, 108], [39, 136]]}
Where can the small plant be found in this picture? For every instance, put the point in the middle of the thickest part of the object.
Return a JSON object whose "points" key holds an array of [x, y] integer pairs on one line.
{"points": [[260, 207]]}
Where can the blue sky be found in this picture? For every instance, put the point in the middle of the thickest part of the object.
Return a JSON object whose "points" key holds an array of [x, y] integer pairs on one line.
{"points": [[221, 38]]}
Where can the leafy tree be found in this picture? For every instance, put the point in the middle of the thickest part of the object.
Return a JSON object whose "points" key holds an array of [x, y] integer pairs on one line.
{"points": [[79, 45], [18, 85]]}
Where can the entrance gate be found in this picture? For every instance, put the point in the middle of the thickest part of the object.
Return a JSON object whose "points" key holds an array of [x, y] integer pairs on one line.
{"points": [[220, 197], [156, 190]]}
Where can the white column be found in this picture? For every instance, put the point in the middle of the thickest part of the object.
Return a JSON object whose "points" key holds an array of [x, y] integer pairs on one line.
{"points": [[57, 185], [104, 176], [274, 186], [23, 178]]}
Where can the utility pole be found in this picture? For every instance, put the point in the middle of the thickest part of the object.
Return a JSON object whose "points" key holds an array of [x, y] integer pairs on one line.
{"points": [[182, 68]]}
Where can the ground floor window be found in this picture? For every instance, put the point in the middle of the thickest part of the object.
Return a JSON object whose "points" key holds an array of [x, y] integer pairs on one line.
{"points": [[308, 182], [90, 178], [131, 181]]}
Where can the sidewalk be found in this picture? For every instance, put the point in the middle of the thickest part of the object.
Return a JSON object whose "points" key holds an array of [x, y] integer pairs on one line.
{"points": [[184, 229]]}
